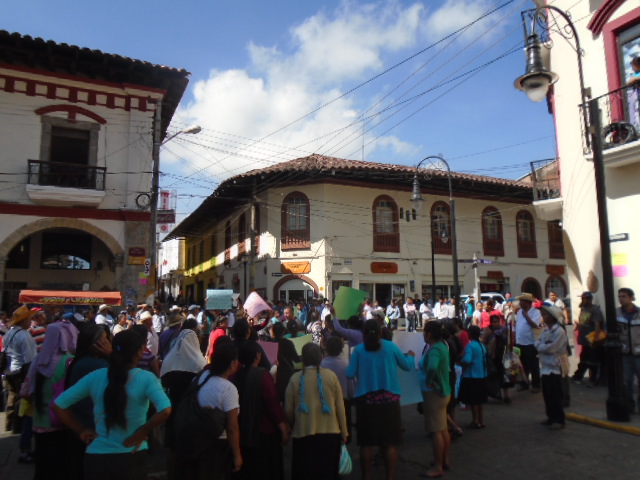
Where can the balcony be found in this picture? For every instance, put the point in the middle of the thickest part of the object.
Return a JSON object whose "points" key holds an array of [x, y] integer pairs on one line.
{"points": [[64, 184], [547, 199], [620, 126]]}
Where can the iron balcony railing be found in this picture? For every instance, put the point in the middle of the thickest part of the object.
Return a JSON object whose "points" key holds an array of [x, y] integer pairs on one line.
{"points": [[546, 179], [60, 174], [620, 117]]}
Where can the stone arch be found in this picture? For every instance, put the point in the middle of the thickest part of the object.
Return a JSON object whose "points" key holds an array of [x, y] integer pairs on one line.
{"points": [[46, 223], [304, 278]]}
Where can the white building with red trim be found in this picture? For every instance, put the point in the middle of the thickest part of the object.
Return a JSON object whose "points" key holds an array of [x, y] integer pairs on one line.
{"points": [[609, 32], [76, 131]]}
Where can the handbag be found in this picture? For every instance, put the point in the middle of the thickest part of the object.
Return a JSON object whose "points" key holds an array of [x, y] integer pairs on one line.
{"points": [[346, 465], [197, 428]]}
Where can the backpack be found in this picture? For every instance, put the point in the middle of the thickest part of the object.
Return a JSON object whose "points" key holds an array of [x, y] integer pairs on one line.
{"points": [[197, 428]]}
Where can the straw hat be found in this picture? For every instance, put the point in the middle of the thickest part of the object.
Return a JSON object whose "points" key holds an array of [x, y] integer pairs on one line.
{"points": [[20, 315], [555, 312], [526, 297], [146, 315], [176, 318]]}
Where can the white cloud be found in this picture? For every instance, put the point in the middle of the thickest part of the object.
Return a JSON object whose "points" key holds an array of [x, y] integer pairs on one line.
{"points": [[327, 53], [455, 14]]}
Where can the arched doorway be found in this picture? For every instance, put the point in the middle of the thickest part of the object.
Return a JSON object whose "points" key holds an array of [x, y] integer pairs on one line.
{"points": [[294, 287], [532, 286], [58, 258]]}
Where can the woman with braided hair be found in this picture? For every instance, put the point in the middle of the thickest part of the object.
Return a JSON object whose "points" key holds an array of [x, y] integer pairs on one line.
{"points": [[315, 409], [121, 395]]}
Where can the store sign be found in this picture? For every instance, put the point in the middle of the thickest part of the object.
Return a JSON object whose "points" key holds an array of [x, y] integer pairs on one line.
{"points": [[166, 216], [137, 256], [384, 267], [295, 267], [555, 269]]}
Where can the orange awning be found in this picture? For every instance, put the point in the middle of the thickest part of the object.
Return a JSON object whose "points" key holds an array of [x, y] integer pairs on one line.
{"points": [[57, 297]]}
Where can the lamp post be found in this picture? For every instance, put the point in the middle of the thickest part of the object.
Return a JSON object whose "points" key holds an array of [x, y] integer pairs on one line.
{"points": [[244, 260], [535, 82], [155, 186], [417, 201]]}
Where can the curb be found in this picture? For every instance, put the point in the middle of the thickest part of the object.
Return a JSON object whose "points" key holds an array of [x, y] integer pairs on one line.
{"points": [[603, 424]]}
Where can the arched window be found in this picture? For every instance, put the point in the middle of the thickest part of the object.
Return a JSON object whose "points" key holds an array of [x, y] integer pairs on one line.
{"points": [[492, 239], [295, 222], [555, 283], [242, 235], [526, 235], [556, 246], [386, 232], [227, 243], [256, 227], [441, 228]]}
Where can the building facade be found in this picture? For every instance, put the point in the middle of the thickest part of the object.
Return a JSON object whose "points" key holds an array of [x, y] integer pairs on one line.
{"points": [[304, 228], [609, 32], [77, 130]]}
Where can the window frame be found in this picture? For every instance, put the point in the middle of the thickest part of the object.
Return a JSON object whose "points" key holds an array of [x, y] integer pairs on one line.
{"points": [[385, 241], [526, 247], [492, 246], [440, 246], [299, 239], [556, 245]]}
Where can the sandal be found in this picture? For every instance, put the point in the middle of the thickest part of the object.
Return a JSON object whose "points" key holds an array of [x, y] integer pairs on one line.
{"points": [[475, 426], [429, 474]]}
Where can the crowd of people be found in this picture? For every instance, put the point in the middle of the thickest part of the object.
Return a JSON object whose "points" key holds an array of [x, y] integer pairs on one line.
{"points": [[89, 393]]}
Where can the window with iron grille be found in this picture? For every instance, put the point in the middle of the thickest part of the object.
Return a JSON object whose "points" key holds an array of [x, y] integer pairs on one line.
{"points": [[386, 232], [441, 228], [295, 222]]}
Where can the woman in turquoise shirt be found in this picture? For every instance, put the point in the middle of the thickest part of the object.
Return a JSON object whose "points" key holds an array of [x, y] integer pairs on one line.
{"points": [[121, 395], [436, 391], [378, 420], [473, 390]]}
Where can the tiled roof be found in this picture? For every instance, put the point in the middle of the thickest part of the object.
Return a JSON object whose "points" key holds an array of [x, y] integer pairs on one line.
{"points": [[317, 163], [237, 191], [38, 54]]}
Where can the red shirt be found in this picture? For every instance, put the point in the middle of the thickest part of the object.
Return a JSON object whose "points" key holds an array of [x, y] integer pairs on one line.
{"points": [[485, 318]]}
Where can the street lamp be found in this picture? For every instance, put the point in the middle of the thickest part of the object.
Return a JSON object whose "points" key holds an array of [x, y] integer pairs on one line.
{"points": [[535, 83], [417, 201], [244, 259], [155, 186]]}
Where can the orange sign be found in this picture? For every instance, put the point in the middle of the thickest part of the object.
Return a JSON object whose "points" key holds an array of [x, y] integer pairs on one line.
{"points": [[295, 267], [555, 269], [384, 267]]}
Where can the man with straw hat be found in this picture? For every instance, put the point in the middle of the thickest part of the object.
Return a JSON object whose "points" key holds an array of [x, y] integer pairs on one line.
{"points": [[528, 320], [20, 349]]}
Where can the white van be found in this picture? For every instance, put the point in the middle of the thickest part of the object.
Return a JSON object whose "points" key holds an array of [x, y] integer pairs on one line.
{"points": [[495, 296]]}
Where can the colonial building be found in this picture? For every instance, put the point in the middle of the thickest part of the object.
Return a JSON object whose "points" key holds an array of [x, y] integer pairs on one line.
{"points": [[77, 131], [306, 227], [609, 33]]}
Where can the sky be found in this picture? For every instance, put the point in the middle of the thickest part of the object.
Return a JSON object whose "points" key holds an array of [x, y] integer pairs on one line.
{"points": [[272, 80]]}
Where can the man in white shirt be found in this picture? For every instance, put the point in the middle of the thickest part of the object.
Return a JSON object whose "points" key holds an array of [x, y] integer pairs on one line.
{"points": [[556, 302], [104, 316], [528, 320], [426, 313], [158, 320]]}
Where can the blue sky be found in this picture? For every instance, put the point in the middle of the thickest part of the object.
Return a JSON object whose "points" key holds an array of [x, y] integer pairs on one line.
{"points": [[280, 79]]}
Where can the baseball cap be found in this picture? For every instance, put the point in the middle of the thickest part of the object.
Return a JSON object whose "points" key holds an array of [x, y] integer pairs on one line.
{"points": [[586, 294]]}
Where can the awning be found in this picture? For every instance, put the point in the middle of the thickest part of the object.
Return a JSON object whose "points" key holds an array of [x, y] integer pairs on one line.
{"points": [[57, 297]]}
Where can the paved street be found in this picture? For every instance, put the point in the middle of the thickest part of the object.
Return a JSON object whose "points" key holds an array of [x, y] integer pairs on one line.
{"points": [[513, 446]]}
